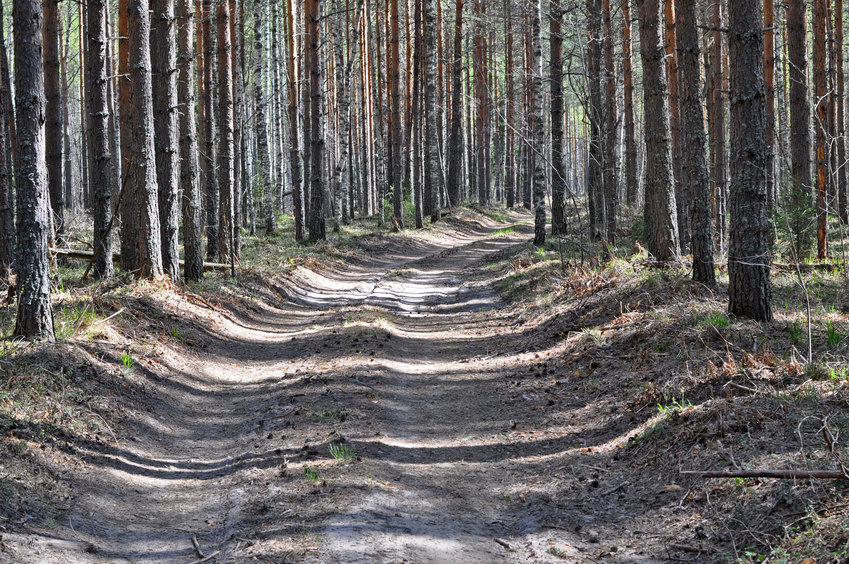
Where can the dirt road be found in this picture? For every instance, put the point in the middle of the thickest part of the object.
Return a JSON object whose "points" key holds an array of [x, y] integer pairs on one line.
{"points": [[405, 356]]}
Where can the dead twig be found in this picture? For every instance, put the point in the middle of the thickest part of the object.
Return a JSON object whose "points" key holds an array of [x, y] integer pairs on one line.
{"points": [[766, 473], [207, 558], [197, 547], [502, 543]]}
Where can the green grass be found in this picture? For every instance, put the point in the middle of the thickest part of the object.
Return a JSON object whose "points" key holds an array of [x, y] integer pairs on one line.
{"points": [[342, 453]]}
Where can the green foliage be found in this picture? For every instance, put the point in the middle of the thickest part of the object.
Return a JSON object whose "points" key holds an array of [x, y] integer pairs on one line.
{"points": [[638, 230], [796, 332], [127, 358], [341, 452], [312, 475], [674, 407], [795, 220], [834, 336], [716, 319]]}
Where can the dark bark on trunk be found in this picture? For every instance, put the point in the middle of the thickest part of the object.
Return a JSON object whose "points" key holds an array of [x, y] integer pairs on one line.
{"points": [[432, 131], [316, 221], [681, 199], [97, 68], [142, 186], [538, 129], [35, 316], [693, 120], [210, 83], [164, 67], [558, 179], [53, 116], [840, 101], [455, 155], [631, 178], [800, 109], [226, 177], [294, 137], [595, 178], [748, 254], [821, 97], [7, 207], [509, 102], [395, 101], [611, 191], [660, 210], [129, 219], [189, 183]]}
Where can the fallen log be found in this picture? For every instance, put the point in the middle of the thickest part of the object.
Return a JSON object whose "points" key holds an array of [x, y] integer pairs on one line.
{"points": [[781, 474], [116, 258]]}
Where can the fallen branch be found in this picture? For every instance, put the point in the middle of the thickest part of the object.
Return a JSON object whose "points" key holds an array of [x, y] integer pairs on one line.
{"points": [[197, 547], [780, 474], [116, 258], [502, 543], [207, 558]]}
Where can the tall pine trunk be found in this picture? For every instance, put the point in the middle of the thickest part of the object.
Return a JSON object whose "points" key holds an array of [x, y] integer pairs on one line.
{"points": [[7, 208], [455, 152], [432, 131], [693, 120], [316, 218], [631, 178], [660, 211], [35, 316], [800, 109], [538, 128], [164, 66], [226, 177], [97, 69], [395, 103], [53, 116], [611, 186], [821, 96], [558, 180], [142, 185], [189, 182], [748, 254], [294, 138]]}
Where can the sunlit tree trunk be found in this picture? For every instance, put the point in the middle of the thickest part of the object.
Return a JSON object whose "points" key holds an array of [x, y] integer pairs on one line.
{"points": [[432, 132], [99, 155], [693, 122], [558, 181], [800, 109], [294, 137], [164, 65], [395, 104], [7, 210], [538, 129], [53, 116], [611, 184], [631, 179], [210, 188], [821, 97], [748, 253], [226, 176], [34, 316], [189, 182], [660, 209], [316, 220]]}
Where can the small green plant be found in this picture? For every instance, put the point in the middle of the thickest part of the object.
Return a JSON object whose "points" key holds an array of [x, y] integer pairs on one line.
{"points": [[796, 332], [674, 407], [312, 475], [838, 374], [127, 358], [834, 336], [717, 320], [177, 334], [503, 231], [341, 452]]}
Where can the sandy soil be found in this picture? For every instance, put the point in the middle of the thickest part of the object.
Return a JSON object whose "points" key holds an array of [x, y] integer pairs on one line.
{"points": [[408, 357]]}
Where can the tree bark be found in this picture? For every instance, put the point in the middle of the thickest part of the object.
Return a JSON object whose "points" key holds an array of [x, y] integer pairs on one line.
{"points": [[800, 109], [538, 129], [189, 182], [631, 179], [395, 102], [455, 154], [142, 186], [681, 200], [821, 96], [432, 131], [693, 119], [660, 209], [316, 221], [840, 101], [260, 120], [769, 80], [166, 136], [294, 138], [611, 191], [35, 316], [226, 150], [7, 207], [748, 255], [97, 68], [558, 180], [53, 115]]}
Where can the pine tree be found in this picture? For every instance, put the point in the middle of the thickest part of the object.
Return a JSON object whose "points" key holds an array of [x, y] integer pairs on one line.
{"points": [[538, 129], [35, 316], [748, 253]]}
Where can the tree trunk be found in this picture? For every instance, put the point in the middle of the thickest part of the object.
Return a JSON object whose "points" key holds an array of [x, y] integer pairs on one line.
{"points": [[35, 316], [631, 178], [840, 101], [538, 129], [693, 120], [769, 80], [717, 124], [595, 178], [455, 154], [558, 180], [53, 116], [509, 103], [7, 207], [294, 139], [800, 109], [660, 210], [164, 66], [316, 221], [748, 254], [395, 102], [97, 68], [129, 219], [821, 96], [432, 132], [210, 82], [226, 178], [682, 211], [611, 191], [142, 186], [260, 120], [189, 184]]}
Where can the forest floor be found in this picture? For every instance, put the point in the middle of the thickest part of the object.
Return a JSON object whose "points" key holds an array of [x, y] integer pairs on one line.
{"points": [[452, 395]]}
